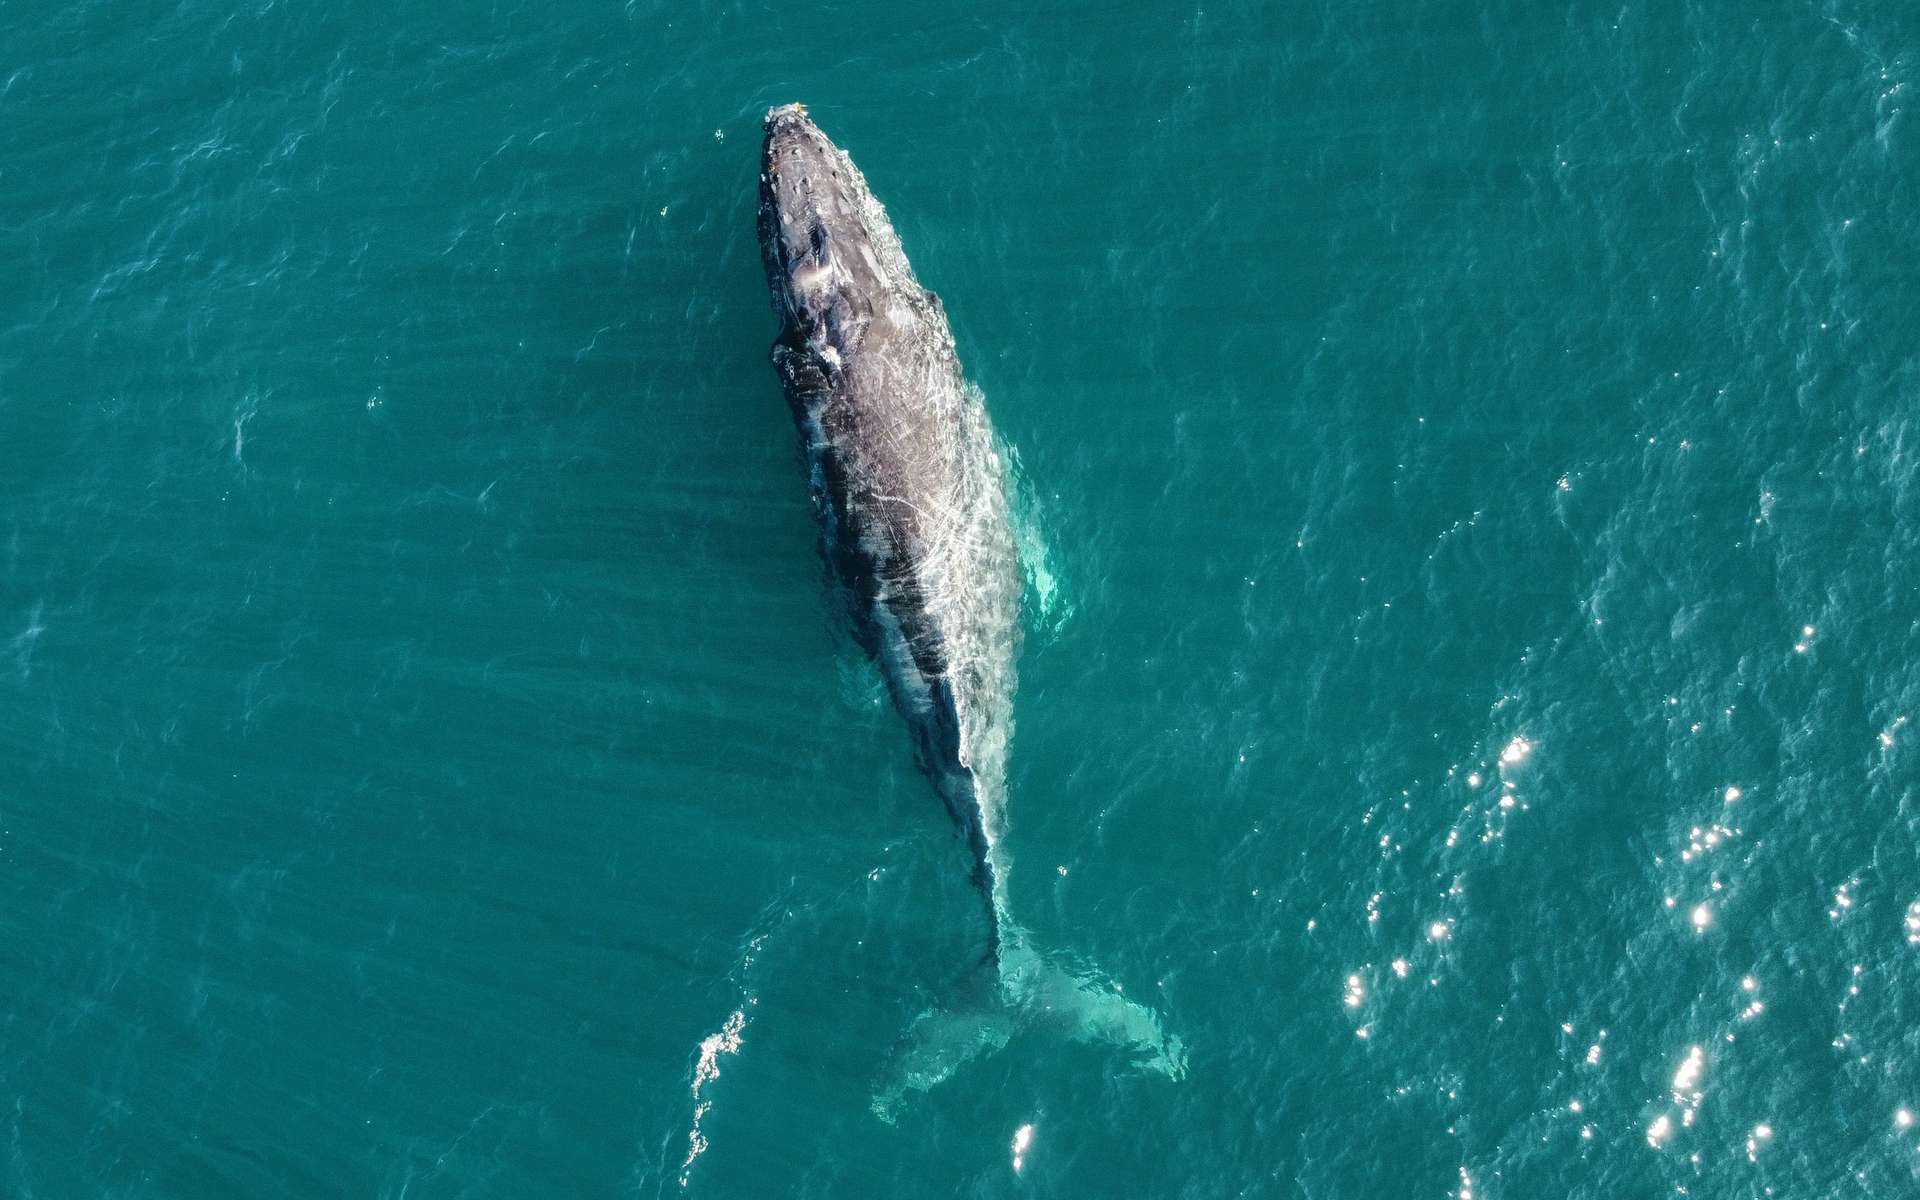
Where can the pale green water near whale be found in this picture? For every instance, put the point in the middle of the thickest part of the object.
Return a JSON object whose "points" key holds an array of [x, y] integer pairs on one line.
{"points": [[1470, 447]]}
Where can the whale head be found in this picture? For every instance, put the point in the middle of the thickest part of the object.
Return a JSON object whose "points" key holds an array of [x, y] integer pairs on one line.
{"points": [[817, 234]]}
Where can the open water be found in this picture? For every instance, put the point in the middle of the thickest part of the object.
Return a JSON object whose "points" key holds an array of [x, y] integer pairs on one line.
{"points": [[1468, 456]]}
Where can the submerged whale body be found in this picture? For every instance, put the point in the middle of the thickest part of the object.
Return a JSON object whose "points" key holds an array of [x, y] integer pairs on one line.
{"points": [[910, 491]]}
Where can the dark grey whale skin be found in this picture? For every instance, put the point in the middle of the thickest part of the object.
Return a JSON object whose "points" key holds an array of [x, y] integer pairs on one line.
{"points": [[905, 477]]}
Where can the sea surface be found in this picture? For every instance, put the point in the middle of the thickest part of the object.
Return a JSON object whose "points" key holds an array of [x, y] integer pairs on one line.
{"points": [[1467, 461]]}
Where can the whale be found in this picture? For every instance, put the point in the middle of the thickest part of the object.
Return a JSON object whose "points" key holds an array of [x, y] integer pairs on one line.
{"points": [[909, 485], [905, 476]]}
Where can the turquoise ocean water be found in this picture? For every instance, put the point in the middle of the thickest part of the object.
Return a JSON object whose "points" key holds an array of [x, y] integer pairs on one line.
{"points": [[1467, 456]]}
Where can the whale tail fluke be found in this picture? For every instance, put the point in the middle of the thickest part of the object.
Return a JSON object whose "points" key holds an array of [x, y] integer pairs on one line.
{"points": [[1032, 991], [938, 1043], [1080, 1002]]}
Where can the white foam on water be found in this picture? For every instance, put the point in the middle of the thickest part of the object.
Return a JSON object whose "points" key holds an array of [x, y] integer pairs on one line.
{"points": [[726, 1041]]}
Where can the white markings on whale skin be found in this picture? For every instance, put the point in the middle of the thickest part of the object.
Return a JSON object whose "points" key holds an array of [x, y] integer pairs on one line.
{"points": [[814, 439], [896, 659], [814, 278]]}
